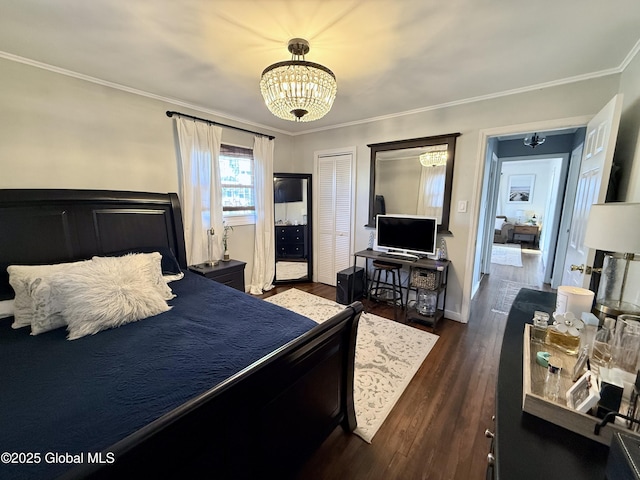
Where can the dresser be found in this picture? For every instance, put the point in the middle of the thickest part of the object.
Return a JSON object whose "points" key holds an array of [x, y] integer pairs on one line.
{"points": [[525, 446], [291, 241], [230, 273]]}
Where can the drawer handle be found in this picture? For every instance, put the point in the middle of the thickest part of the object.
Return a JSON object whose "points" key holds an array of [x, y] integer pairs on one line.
{"points": [[488, 433]]}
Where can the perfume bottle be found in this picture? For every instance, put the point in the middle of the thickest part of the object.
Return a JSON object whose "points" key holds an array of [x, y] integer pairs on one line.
{"points": [[540, 325], [565, 332], [552, 383]]}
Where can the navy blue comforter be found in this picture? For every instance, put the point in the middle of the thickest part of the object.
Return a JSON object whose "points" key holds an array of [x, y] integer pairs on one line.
{"points": [[59, 396]]}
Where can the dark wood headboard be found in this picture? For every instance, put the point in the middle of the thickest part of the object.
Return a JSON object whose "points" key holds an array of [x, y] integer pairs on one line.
{"points": [[52, 226]]}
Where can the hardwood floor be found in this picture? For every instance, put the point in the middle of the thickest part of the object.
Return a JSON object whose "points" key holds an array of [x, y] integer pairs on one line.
{"points": [[436, 430]]}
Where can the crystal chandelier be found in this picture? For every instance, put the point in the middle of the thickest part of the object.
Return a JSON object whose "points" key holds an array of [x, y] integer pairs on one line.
{"points": [[434, 156], [296, 89]]}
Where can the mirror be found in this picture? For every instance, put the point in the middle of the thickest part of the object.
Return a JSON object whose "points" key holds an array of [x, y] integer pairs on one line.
{"points": [[413, 177], [292, 215]]}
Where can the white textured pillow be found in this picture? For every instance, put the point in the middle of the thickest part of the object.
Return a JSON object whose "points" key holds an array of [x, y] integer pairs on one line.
{"points": [[106, 294], [25, 279], [148, 264], [6, 308]]}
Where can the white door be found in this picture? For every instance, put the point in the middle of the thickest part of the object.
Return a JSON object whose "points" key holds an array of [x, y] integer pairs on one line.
{"points": [[334, 219], [595, 169]]}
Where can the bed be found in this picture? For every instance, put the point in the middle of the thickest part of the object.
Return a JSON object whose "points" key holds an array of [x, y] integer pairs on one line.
{"points": [[223, 385], [503, 232]]}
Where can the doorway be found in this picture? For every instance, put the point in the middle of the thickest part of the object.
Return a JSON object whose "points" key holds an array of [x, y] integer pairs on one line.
{"points": [[603, 127], [482, 230]]}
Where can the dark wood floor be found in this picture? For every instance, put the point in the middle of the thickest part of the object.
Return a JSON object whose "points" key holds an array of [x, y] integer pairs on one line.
{"points": [[436, 430]]}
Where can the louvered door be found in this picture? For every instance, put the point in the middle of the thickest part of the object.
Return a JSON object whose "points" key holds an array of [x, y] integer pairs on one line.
{"points": [[334, 219]]}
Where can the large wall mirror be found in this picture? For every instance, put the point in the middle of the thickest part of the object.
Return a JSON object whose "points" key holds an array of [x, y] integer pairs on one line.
{"points": [[292, 214], [413, 177]]}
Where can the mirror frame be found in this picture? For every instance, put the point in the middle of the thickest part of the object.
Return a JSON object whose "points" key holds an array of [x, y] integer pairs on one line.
{"points": [[448, 139], [309, 233]]}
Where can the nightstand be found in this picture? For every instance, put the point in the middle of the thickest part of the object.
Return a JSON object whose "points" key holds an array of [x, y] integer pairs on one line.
{"points": [[230, 273], [526, 233]]}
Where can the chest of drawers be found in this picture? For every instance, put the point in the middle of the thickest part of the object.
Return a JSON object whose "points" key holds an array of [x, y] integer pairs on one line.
{"points": [[291, 241]]}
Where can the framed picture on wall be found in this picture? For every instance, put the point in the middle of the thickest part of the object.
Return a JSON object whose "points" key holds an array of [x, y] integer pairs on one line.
{"points": [[520, 188]]}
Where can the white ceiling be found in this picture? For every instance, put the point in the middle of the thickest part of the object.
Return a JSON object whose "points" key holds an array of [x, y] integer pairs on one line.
{"points": [[389, 56]]}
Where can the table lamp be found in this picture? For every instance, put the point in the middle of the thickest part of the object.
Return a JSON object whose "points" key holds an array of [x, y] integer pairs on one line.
{"points": [[614, 228]]}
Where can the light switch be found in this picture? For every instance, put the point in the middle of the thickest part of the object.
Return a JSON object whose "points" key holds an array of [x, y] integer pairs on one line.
{"points": [[462, 206]]}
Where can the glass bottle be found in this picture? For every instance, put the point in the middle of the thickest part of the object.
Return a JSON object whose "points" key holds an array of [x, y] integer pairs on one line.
{"points": [[552, 383], [602, 344], [540, 324], [565, 332], [629, 348]]}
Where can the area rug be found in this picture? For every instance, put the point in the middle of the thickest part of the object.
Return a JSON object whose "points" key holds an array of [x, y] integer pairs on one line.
{"points": [[506, 294], [388, 354], [506, 255]]}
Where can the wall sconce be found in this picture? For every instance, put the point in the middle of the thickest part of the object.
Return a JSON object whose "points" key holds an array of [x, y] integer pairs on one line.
{"points": [[615, 229]]}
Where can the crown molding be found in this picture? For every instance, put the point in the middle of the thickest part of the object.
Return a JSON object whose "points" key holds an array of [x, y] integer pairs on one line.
{"points": [[578, 78]]}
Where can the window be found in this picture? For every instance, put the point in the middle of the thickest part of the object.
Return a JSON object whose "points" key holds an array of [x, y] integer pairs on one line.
{"points": [[236, 178]]}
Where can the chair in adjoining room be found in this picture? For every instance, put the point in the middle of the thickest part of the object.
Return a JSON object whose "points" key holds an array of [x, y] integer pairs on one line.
{"points": [[385, 291]]}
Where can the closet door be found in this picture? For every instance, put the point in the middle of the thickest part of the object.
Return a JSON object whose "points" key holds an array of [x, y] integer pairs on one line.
{"points": [[334, 224]]}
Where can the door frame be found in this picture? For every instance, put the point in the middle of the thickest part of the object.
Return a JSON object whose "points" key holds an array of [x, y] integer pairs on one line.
{"points": [[476, 233]]}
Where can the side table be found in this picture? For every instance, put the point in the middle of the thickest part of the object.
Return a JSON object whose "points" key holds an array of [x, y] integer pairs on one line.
{"points": [[526, 233], [230, 273]]}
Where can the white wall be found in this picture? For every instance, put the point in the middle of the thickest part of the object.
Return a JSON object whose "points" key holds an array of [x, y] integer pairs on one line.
{"points": [[577, 99], [62, 132], [542, 170], [628, 147]]}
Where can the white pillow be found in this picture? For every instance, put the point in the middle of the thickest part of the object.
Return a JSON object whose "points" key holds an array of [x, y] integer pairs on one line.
{"points": [[149, 264], [6, 308], [105, 294], [499, 223], [25, 279]]}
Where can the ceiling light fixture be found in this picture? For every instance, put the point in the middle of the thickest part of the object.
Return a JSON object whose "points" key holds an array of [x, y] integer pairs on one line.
{"points": [[298, 90], [534, 140], [434, 156]]}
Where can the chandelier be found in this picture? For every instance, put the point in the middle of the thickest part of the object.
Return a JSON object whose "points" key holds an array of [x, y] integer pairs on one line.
{"points": [[435, 156], [298, 90], [534, 140]]}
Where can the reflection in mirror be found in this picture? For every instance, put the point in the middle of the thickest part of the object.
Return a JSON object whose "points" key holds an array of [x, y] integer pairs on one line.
{"points": [[292, 213], [413, 177]]}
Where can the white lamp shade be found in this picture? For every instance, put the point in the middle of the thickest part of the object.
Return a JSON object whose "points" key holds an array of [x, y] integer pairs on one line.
{"points": [[614, 227]]}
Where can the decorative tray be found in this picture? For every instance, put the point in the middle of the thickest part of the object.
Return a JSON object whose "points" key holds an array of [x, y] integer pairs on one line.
{"points": [[558, 412]]}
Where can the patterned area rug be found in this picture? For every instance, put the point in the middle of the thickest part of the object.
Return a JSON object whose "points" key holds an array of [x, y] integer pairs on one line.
{"points": [[507, 293], [388, 354], [506, 255]]}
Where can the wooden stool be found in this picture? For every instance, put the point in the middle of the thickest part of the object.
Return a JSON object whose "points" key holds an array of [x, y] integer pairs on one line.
{"points": [[377, 286]]}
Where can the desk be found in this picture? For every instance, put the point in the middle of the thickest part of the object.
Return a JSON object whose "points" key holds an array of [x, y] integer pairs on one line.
{"points": [[528, 447], [441, 266]]}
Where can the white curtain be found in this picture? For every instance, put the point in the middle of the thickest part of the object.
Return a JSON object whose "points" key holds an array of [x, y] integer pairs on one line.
{"points": [[431, 191], [200, 191], [264, 258]]}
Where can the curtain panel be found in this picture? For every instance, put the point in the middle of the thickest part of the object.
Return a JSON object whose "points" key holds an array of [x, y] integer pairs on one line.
{"points": [[264, 253], [200, 190]]}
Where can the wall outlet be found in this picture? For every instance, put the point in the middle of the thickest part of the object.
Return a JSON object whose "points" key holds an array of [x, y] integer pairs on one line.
{"points": [[462, 206]]}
